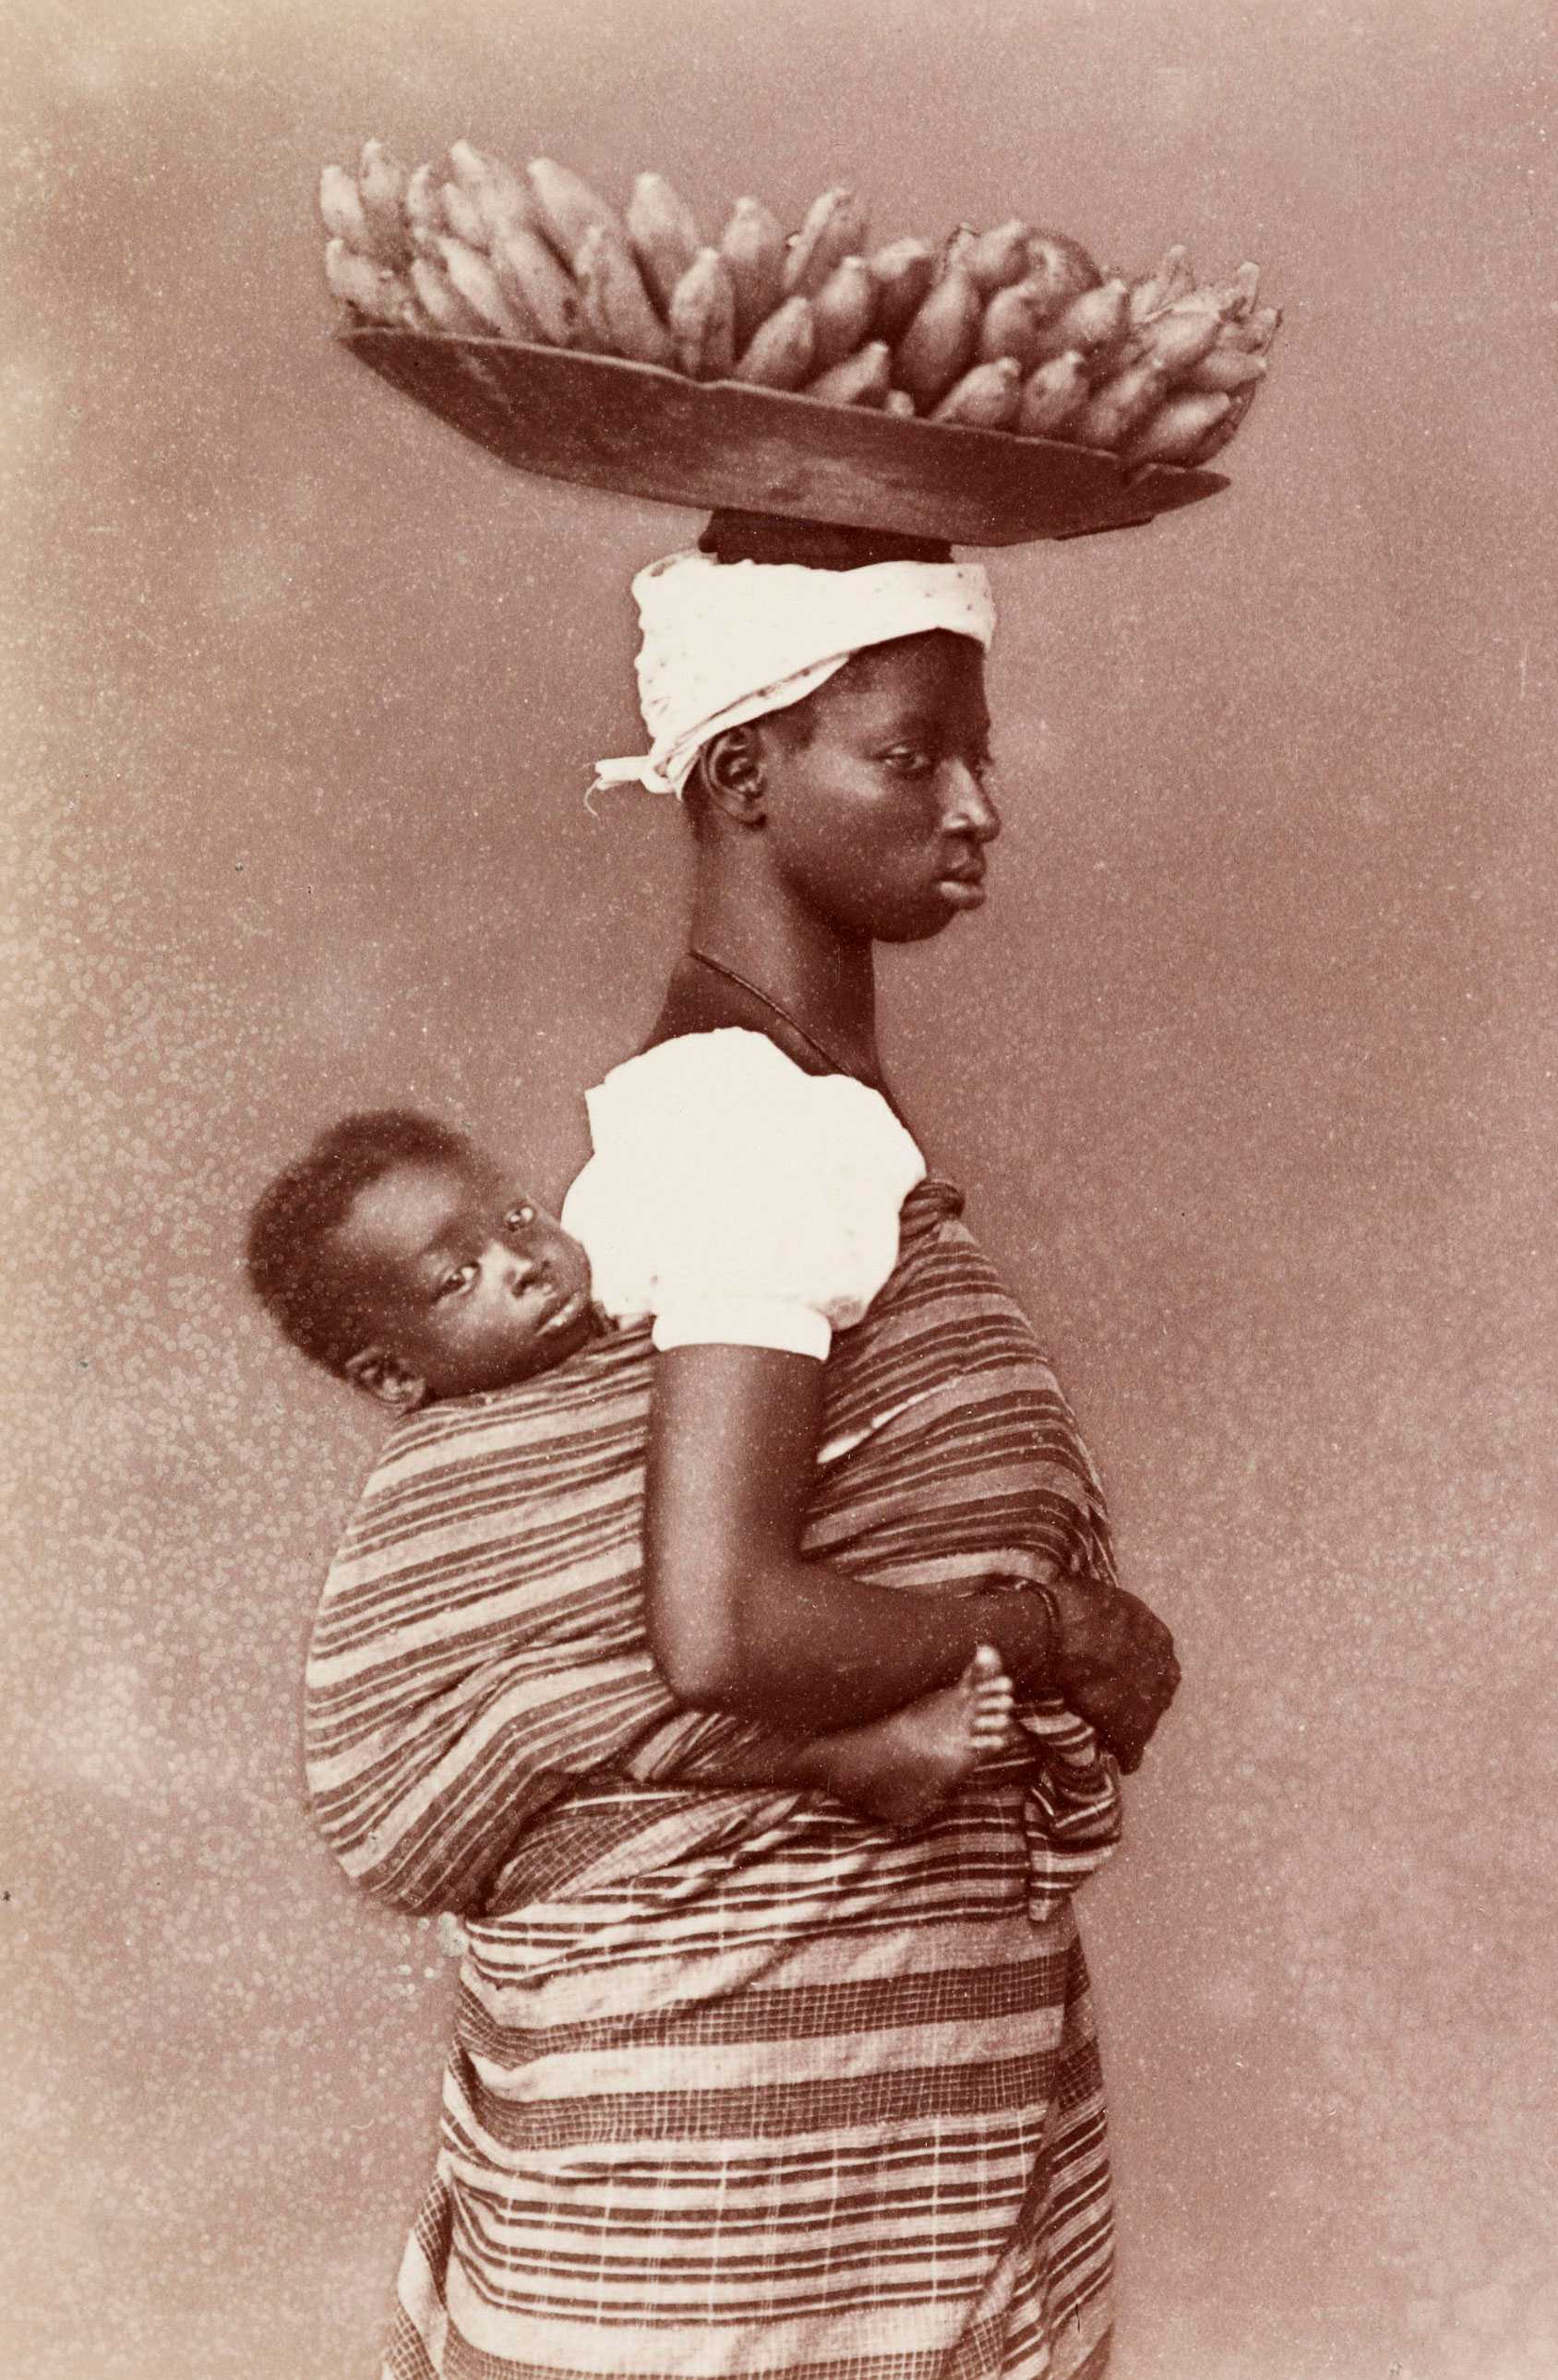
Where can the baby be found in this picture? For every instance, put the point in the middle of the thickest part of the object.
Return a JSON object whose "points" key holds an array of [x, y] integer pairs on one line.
{"points": [[403, 1258]]}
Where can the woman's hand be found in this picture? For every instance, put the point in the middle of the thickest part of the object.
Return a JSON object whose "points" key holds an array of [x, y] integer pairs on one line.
{"points": [[1113, 1665]]}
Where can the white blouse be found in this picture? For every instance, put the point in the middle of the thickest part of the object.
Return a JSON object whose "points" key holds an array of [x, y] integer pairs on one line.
{"points": [[737, 1199]]}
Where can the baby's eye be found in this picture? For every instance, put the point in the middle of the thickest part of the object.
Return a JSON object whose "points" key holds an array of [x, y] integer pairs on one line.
{"points": [[520, 1217], [455, 1282]]}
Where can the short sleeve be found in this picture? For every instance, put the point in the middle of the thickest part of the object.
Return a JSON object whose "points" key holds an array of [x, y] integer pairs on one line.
{"points": [[736, 1200]]}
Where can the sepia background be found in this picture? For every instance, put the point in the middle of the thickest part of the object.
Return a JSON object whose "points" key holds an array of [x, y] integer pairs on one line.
{"points": [[1247, 1069]]}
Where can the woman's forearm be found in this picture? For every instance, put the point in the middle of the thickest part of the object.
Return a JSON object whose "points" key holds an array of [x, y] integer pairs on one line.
{"points": [[736, 1620], [815, 1648]]}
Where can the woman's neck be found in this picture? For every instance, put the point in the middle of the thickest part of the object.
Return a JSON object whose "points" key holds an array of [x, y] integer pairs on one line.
{"points": [[802, 970]]}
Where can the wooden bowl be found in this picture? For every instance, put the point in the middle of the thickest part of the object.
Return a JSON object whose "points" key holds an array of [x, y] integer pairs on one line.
{"points": [[709, 444]]}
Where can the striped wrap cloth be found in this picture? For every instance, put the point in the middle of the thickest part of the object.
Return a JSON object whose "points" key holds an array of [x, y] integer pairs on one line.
{"points": [[741, 2083]]}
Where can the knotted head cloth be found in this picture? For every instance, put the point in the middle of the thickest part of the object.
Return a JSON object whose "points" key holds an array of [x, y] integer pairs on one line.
{"points": [[724, 643]]}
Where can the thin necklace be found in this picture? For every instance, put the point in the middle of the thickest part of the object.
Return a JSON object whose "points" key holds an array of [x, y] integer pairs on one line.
{"points": [[717, 966]]}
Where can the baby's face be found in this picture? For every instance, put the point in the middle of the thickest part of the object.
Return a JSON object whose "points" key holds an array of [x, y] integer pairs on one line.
{"points": [[473, 1285]]}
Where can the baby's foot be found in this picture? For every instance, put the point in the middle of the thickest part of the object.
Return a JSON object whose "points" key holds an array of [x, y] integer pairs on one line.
{"points": [[990, 1721], [902, 1767]]}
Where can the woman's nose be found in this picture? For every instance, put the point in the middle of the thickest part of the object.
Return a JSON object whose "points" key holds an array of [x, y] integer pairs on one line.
{"points": [[971, 811]]}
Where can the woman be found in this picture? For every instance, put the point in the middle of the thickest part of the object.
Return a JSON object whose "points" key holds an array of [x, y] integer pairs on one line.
{"points": [[744, 2084]]}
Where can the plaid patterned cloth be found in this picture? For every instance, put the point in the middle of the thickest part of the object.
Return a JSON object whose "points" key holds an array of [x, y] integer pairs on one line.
{"points": [[741, 2083]]}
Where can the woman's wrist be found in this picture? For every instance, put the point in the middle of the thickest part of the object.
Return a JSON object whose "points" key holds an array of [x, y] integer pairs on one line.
{"points": [[1023, 1622]]}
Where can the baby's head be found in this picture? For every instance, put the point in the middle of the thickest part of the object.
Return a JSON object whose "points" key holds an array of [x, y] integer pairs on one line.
{"points": [[401, 1257]]}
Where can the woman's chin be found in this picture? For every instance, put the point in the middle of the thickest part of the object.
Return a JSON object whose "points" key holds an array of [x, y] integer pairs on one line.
{"points": [[923, 925]]}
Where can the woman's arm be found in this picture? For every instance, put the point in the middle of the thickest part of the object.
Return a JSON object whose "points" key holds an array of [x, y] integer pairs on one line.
{"points": [[738, 1621]]}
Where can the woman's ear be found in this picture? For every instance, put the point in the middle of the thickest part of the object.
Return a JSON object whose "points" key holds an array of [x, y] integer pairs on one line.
{"points": [[734, 774], [385, 1379]]}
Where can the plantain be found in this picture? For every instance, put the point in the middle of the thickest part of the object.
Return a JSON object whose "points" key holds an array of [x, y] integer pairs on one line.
{"points": [[1178, 336], [753, 248], [568, 208], [526, 323], [834, 227], [1120, 405], [939, 344], [462, 216], [537, 285], [503, 201], [781, 349], [617, 308], [701, 314], [477, 282], [1052, 397], [843, 310], [994, 260], [1096, 321], [663, 232], [864, 378], [956, 247], [1226, 369], [1252, 334], [1011, 326], [899, 403], [1217, 435], [340, 207], [440, 301], [380, 187], [1094, 326], [372, 290], [1179, 426], [1235, 300], [421, 207], [1171, 279], [985, 399], [903, 272], [1246, 281], [1058, 269]]}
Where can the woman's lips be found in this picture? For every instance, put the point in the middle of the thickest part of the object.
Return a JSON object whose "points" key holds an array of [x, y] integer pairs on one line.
{"points": [[963, 892]]}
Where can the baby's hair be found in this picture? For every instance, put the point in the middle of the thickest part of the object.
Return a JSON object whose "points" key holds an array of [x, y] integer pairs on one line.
{"points": [[285, 1253]]}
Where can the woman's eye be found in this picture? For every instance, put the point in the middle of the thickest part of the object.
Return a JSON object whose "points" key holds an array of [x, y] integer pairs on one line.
{"points": [[908, 760], [454, 1283], [519, 1218]]}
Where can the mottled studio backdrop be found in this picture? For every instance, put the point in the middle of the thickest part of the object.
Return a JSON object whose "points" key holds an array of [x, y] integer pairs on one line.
{"points": [[1247, 1067]]}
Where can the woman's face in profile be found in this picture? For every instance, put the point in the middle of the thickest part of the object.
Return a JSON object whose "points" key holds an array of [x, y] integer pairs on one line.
{"points": [[875, 805]]}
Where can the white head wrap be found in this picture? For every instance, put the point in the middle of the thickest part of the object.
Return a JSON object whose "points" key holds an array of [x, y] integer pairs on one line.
{"points": [[726, 641]]}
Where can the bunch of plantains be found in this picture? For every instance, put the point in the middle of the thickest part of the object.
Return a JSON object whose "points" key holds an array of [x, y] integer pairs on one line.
{"points": [[1014, 329]]}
